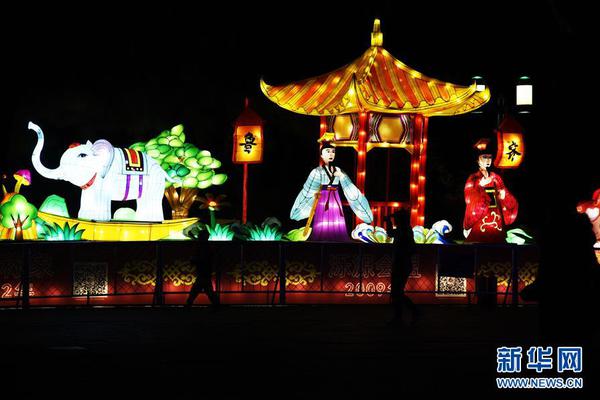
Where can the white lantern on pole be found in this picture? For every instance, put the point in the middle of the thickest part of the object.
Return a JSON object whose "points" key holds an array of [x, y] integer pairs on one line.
{"points": [[479, 84], [524, 92]]}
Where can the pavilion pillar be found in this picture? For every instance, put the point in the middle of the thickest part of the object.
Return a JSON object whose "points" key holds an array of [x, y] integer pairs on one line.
{"points": [[323, 126], [422, 171], [361, 163], [322, 130], [361, 151], [417, 171]]}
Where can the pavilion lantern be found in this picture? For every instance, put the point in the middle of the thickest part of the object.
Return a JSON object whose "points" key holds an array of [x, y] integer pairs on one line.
{"points": [[377, 101], [511, 144], [247, 146], [524, 94], [479, 83], [479, 87]]}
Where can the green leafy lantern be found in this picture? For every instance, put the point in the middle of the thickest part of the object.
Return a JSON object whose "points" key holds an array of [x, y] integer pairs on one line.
{"points": [[17, 214], [57, 232], [55, 205], [192, 168], [268, 230], [220, 233]]}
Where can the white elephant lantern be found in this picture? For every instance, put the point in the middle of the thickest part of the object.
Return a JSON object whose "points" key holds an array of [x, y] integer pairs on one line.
{"points": [[105, 173]]}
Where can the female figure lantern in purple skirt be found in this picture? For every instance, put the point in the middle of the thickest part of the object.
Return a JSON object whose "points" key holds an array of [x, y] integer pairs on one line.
{"points": [[320, 199]]}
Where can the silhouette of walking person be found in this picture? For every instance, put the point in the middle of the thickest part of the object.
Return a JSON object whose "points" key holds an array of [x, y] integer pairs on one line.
{"points": [[203, 261], [404, 248]]}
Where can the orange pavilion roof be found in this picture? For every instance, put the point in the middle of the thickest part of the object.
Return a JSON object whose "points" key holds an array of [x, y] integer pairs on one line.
{"points": [[377, 82]]}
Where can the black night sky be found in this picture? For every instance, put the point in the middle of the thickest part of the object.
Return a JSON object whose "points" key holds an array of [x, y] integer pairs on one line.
{"points": [[126, 73]]}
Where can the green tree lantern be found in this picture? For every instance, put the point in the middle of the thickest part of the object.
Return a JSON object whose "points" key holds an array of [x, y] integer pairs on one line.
{"points": [[17, 215], [193, 168]]}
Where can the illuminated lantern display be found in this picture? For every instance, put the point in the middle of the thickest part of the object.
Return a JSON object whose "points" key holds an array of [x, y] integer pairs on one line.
{"points": [[55, 205], [105, 173], [141, 172], [480, 85], [319, 200], [377, 101], [511, 145], [490, 207], [434, 235], [524, 92], [189, 168], [591, 208], [23, 177], [212, 203], [248, 137], [119, 230], [371, 234], [247, 147], [17, 218]]}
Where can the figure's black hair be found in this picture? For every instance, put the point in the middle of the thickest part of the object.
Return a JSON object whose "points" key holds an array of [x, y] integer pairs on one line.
{"points": [[326, 145], [490, 148]]}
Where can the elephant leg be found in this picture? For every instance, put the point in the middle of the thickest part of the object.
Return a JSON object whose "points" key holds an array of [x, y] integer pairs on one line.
{"points": [[149, 209], [149, 206], [100, 213], [94, 206]]}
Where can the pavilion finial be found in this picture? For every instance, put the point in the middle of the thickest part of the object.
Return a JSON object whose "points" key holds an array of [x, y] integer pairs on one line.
{"points": [[376, 35]]}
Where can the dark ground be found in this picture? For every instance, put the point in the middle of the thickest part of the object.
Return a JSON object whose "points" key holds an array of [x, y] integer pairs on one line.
{"points": [[261, 352]]}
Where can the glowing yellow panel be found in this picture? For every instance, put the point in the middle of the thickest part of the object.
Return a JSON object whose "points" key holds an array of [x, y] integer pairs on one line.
{"points": [[511, 149], [247, 144], [343, 127], [122, 231], [391, 129]]}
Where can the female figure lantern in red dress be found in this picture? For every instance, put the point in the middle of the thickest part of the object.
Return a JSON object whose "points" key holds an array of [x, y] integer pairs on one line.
{"points": [[592, 209], [490, 206]]}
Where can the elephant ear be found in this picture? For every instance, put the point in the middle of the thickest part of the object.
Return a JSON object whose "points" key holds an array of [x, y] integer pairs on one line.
{"points": [[106, 152]]}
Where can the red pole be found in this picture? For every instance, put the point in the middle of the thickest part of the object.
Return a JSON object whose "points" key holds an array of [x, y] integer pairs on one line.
{"points": [[387, 178], [361, 165], [245, 196], [422, 171], [323, 125], [415, 169]]}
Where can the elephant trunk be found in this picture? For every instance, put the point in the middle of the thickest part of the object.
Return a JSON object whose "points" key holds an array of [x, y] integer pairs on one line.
{"points": [[35, 156]]}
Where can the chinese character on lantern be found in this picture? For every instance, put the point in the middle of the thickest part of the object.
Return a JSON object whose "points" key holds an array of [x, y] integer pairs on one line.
{"points": [[511, 145], [249, 142]]}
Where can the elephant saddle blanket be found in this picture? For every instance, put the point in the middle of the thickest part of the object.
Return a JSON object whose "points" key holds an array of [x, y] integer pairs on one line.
{"points": [[134, 162]]}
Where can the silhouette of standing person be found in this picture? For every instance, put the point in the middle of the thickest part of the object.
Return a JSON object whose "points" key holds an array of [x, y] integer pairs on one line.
{"points": [[203, 261], [568, 280], [404, 249]]}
